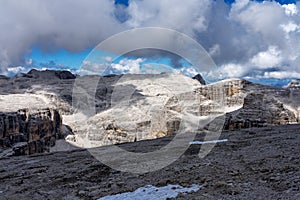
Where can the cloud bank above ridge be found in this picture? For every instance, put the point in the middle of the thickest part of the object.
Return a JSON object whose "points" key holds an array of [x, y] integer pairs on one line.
{"points": [[247, 38]]}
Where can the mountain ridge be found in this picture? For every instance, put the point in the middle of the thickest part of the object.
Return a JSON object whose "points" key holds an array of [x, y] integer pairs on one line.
{"points": [[265, 105]]}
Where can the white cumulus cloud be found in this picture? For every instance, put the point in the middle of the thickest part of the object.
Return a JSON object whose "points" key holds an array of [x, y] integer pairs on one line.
{"points": [[127, 66], [267, 59], [290, 9], [16, 70], [282, 75]]}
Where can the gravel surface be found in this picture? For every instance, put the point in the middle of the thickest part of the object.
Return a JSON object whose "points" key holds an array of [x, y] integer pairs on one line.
{"points": [[260, 163]]}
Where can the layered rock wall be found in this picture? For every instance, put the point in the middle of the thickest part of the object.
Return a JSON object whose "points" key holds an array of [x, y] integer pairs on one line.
{"points": [[29, 132], [260, 110]]}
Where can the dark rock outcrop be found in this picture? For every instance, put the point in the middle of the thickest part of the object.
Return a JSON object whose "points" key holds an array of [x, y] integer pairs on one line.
{"points": [[50, 74], [2, 77], [260, 110], [65, 75], [29, 132], [199, 78]]}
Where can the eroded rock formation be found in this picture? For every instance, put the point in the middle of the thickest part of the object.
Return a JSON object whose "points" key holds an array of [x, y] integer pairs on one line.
{"points": [[29, 132], [161, 106], [260, 110]]}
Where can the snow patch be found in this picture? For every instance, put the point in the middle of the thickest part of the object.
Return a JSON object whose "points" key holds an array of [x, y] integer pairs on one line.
{"points": [[209, 142], [150, 192]]}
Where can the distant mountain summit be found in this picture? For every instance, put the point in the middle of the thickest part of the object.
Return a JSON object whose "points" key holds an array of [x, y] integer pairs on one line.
{"points": [[294, 84], [50, 74], [199, 78]]}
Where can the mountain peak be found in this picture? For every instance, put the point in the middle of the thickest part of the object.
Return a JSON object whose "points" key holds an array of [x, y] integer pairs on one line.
{"points": [[199, 78], [294, 84]]}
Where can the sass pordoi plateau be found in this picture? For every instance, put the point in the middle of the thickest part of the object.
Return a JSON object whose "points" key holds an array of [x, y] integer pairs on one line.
{"points": [[43, 152]]}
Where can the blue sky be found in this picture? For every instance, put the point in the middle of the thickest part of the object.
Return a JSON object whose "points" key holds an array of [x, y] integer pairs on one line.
{"points": [[61, 57], [125, 2], [258, 40]]}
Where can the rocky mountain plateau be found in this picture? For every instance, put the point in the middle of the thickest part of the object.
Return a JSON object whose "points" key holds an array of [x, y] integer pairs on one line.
{"points": [[48, 119]]}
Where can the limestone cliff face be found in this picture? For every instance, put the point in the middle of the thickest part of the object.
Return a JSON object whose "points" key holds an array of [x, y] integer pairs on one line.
{"points": [[159, 105], [265, 105], [229, 94], [29, 132], [162, 106]]}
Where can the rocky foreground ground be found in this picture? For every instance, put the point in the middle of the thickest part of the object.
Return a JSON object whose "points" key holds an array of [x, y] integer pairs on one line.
{"points": [[257, 163]]}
